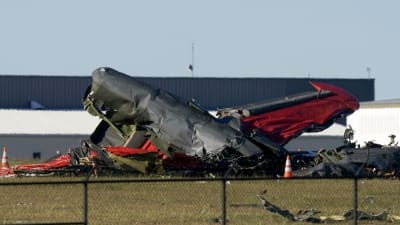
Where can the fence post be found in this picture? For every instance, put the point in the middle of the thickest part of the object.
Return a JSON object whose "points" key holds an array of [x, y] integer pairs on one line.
{"points": [[355, 200], [85, 202], [223, 200], [85, 197], [224, 180], [355, 189]]}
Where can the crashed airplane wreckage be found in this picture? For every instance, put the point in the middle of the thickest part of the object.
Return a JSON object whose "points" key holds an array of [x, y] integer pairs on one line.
{"points": [[149, 130], [350, 159]]}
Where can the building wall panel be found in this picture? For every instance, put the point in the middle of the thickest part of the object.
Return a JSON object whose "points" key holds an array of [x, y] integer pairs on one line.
{"points": [[66, 92]]}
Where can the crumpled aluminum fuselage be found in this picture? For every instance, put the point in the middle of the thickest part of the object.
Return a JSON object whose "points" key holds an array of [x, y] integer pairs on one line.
{"points": [[184, 126]]}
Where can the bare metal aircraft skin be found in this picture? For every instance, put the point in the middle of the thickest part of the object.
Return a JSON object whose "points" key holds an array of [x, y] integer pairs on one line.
{"points": [[180, 125], [134, 113]]}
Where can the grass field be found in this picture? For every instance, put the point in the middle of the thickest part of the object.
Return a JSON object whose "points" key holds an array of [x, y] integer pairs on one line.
{"points": [[194, 202]]}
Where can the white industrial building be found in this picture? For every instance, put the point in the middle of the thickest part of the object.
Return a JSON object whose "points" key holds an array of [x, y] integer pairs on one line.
{"points": [[41, 133], [41, 122], [376, 121]]}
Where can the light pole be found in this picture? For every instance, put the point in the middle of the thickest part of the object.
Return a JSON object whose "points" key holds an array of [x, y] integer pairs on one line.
{"points": [[191, 66]]}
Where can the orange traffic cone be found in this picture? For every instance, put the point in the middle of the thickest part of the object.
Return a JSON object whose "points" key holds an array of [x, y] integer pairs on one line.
{"points": [[288, 168], [4, 160], [5, 169]]}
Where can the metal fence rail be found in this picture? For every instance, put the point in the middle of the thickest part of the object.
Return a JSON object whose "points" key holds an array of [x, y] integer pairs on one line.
{"points": [[135, 200]]}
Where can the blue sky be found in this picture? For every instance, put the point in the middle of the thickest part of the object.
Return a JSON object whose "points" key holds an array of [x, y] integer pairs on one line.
{"points": [[260, 38]]}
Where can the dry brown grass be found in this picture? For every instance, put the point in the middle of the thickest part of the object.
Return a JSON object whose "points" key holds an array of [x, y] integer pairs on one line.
{"points": [[197, 203]]}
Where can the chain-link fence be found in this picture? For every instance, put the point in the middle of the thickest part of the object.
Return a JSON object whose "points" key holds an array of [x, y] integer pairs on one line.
{"points": [[127, 200]]}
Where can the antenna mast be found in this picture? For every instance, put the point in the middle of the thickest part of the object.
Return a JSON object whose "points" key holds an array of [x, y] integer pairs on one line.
{"points": [[192, 59]]}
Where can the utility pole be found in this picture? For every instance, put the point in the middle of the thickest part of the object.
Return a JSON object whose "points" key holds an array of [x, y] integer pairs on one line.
{"points": [[369, 72], [191, 66]]}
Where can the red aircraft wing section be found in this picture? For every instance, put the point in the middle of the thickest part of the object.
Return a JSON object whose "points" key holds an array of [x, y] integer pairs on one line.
{"points": [[59, 162], [283, 124]]}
